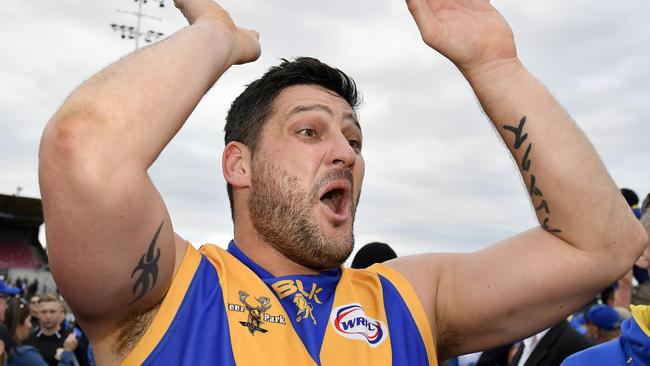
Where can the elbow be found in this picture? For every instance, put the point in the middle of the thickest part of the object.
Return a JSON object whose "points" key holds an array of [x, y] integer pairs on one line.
{"points": [[70, 148], [629, 246], [641, 239]]}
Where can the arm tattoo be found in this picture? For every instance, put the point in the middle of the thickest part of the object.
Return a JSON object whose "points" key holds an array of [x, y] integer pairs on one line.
{"points": [[519, 138], [148, 268], [526, 162]]}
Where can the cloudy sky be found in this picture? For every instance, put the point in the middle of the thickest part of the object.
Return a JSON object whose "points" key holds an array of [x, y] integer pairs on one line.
{"points": [[437, 178]]}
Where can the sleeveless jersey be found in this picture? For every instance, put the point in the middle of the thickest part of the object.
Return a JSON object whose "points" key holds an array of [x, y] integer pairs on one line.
{"points": [[223, 309]]}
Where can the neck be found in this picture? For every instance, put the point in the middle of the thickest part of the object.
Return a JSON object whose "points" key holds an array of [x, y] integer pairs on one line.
{"points": [[264, 255], [50, 331]]}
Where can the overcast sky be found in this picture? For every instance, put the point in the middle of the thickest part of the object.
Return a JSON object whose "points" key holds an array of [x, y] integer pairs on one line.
{"points": [[437, 176]]}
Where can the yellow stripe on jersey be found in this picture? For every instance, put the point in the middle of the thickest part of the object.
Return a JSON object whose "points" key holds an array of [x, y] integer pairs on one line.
{"points": [[360, 287], [274, 342], [168, 308], [415, 306]]}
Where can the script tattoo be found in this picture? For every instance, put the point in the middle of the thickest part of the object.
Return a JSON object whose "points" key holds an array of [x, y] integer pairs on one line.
{"points": [[148, 268], [526, 163]]}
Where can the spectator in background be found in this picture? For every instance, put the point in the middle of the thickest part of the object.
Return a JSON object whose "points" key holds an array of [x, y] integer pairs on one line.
{"points": [[631, 348], [372, 253], [50, 336], [550, 347], [19, 324], [5, 339], [34, 311], [603, 323], [5, 293]]}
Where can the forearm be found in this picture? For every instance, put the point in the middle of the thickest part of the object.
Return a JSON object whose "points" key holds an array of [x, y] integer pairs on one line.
{"points": [[127, 113], [572, 194]]}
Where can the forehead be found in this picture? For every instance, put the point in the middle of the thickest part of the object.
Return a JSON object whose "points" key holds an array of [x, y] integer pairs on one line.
{"points": [[312, 98], [51, 305]]}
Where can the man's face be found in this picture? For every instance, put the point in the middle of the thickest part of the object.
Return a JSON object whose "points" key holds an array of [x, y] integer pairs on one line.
{"points": [[306, 177], [50, 315], [34, 308]]}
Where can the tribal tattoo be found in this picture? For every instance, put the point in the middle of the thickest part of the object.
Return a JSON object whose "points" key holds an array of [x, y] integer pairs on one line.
{"points": [[148, 268], [526, 162]]}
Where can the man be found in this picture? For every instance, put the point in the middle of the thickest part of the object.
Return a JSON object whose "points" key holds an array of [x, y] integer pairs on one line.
{"points": [[5, 293], [550, 347], [631, 348], [294, 168], [603, 323], [35, 310], [5, 337], [50, 337]]}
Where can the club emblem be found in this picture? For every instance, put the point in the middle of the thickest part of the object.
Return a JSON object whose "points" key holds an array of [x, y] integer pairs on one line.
{"points": [[255, 313]]}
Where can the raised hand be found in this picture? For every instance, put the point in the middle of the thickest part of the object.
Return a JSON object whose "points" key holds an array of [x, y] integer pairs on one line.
{"points": [[246, 45], [470, 33]]}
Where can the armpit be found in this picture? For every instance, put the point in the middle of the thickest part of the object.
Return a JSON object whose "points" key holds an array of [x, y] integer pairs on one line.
{"points": [[132, 327]]}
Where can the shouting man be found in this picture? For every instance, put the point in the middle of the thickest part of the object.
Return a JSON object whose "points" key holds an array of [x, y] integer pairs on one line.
{"points": [[294, 167]]}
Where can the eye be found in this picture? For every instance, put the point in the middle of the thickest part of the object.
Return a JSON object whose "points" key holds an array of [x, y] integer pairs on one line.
{"points": [[308, 132], [355, 144]]}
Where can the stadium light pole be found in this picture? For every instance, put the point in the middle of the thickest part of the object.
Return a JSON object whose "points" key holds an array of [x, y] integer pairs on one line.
{"points": [[131, 32]]}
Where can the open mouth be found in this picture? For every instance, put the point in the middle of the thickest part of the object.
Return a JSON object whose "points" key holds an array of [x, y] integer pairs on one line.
{"points": [[334, 200]]}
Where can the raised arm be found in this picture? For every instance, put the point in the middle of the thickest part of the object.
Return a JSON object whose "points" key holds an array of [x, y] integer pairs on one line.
{"points": [[587, 237], [110, 239]]}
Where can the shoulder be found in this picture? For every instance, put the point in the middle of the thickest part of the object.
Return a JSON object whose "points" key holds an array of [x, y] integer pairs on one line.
{"points": [[25, 355]]}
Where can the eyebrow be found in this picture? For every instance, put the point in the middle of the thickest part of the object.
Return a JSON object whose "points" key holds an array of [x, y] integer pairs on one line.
{"points": [[326, 109]]}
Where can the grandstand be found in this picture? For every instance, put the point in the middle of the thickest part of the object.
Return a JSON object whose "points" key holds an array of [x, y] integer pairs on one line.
{"points": [[21, 253]]}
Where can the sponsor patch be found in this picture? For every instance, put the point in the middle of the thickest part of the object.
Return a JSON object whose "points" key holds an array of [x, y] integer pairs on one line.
{"points": [[351, 322], [257, 315]]}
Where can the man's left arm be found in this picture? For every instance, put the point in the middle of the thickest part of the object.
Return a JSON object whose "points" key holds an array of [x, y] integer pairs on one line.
{"points": [[587, 237]]}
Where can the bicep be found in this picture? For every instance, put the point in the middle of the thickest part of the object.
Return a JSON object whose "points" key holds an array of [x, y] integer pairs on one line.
{"points": [[503, 293], [110, 240]]}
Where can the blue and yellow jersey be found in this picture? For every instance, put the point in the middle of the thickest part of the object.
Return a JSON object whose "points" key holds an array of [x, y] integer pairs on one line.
{"points": [[223, 309]]}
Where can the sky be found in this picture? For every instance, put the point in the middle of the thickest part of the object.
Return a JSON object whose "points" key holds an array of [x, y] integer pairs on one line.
{"points": [[438, 178]]}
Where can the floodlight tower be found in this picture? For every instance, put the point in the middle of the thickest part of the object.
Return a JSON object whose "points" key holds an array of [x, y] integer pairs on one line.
{"points": [[132, 32]]}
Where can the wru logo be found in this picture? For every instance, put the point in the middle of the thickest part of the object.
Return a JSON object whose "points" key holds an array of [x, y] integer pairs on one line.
{"points": [[351, 322]]}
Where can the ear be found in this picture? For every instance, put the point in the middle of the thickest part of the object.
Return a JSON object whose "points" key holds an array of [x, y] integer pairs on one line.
{"points": [[236, 164]]}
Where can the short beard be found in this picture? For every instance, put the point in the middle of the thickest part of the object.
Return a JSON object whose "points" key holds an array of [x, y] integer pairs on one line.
{"points": [[281, 213]]}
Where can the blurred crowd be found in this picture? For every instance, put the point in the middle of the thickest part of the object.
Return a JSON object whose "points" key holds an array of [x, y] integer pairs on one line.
{"points": [[37, 329]]}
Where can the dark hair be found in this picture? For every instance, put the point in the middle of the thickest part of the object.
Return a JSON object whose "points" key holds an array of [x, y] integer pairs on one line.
{"points": [[17, 313], [254, 106], [630, 196], [372, 253]]}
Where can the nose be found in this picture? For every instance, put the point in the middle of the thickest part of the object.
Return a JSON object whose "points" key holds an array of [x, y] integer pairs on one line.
{"points": [[340, 152]]}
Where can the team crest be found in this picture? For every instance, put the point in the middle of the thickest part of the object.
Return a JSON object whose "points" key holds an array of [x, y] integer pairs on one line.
{"points": [[350, 321], [255, 313]]}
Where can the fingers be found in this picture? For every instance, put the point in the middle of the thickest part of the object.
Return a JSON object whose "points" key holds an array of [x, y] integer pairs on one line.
{"points": [[422, 14], [250, 49]]}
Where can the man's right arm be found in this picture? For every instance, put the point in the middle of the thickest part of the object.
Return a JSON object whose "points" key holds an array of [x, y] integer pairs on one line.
{"points": [[110, 240]]}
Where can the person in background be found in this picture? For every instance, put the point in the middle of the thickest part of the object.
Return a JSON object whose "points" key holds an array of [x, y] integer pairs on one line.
{"points": [[603, 323], [549, 347], [34, 311], [51, 337], [631, 348], [19, 324], [372, 253], [5, 293]]}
